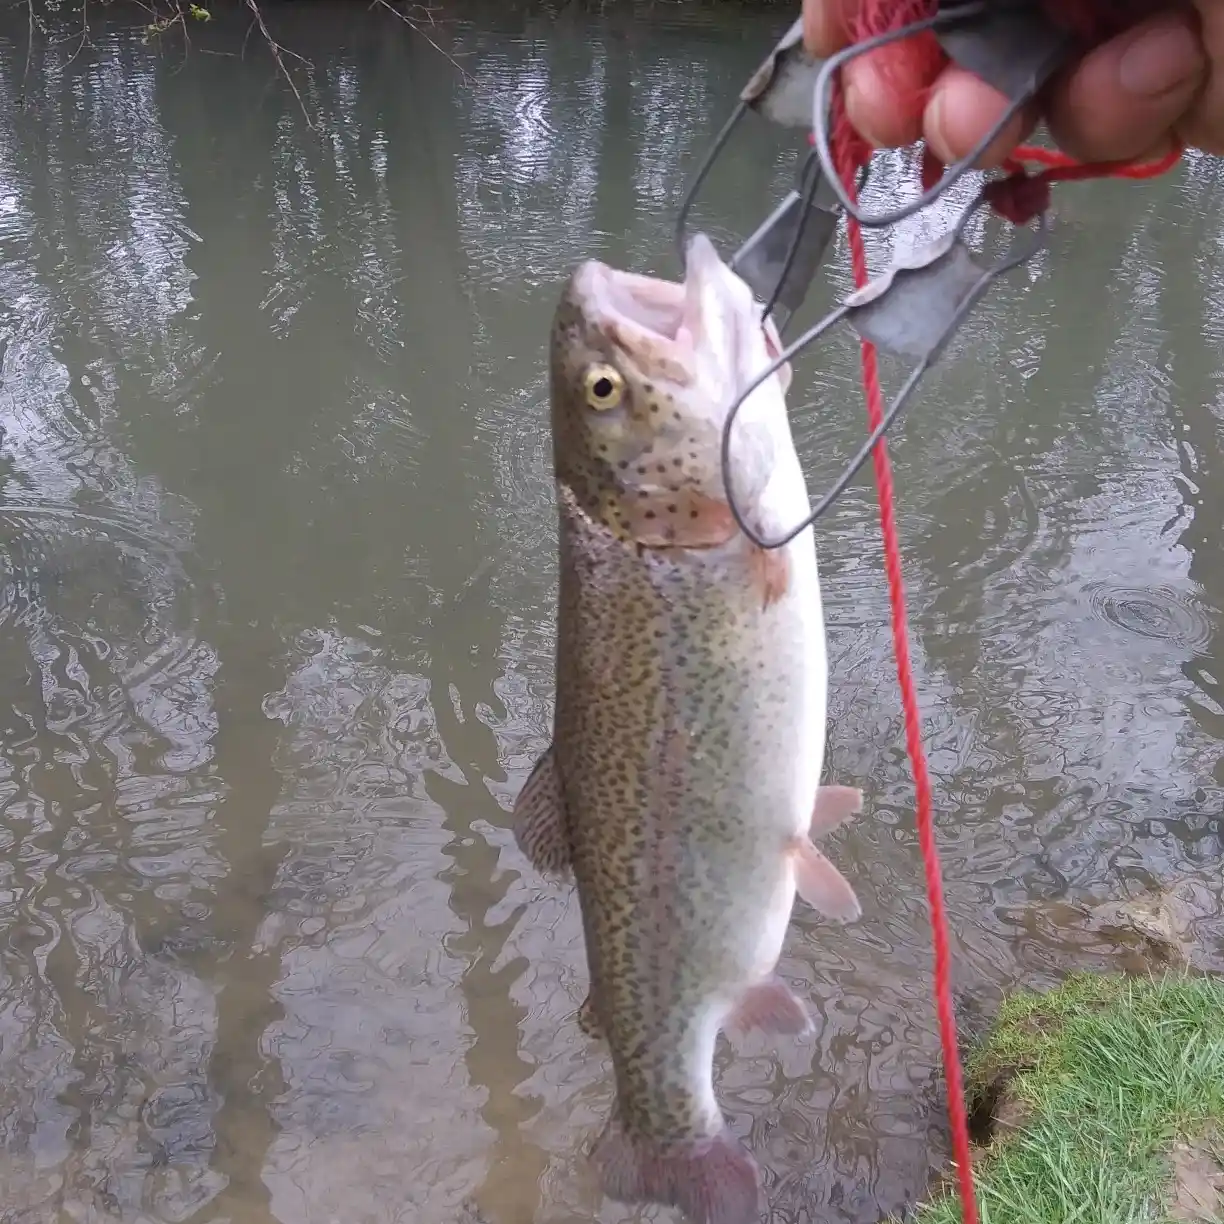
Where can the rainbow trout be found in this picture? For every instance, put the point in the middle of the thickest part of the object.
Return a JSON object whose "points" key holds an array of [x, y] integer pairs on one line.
{"points": [[681, 789]]}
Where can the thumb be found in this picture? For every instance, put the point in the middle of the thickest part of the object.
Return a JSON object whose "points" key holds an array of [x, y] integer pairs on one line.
{"points": [[1124, 98]]}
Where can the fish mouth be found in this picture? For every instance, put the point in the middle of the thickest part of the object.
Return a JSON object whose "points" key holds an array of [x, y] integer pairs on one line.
{"points": [[660, 326], [641, 315]]}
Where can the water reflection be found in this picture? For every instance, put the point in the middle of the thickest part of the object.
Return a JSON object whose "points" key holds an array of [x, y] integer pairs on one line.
{"points": [[276, 606]]}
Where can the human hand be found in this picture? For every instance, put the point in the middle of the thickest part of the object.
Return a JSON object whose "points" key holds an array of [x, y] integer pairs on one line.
{"points": [[1158, 82]]}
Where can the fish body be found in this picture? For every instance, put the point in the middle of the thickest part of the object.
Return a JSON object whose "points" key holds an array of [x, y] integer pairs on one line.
{"points": [[682, 787]]}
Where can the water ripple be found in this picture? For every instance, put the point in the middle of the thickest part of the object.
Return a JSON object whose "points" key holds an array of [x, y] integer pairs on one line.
{"points": [[1160, 613], [108, 576], [277, 620]]}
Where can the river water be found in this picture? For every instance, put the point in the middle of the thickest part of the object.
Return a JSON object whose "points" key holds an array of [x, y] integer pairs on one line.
{"points": [[277, 594]]}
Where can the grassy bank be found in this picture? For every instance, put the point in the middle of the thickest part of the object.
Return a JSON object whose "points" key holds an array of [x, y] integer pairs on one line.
{"points": [[1101, 1102]]}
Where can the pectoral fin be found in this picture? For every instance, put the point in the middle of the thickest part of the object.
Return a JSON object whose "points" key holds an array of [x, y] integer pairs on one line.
{"points": [[540, 826], [821, 885], [771, 571]]}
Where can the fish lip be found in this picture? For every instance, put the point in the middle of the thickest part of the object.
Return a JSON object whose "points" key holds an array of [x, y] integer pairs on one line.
{"points": [[639, 314], [648, 301], [701, 258], [660, 329]]}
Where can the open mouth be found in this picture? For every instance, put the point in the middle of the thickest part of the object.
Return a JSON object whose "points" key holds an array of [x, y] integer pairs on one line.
{"points": [[644, 304], [646, 319], [665, 328], [659, 325]]}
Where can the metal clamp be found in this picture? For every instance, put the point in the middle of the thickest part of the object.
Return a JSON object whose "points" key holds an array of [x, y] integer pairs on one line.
{"points": [[913, 309], [780, 259], [916, 307]]}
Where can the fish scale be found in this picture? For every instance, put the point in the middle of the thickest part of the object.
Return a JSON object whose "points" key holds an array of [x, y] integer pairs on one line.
{"points": [[682, 784]]}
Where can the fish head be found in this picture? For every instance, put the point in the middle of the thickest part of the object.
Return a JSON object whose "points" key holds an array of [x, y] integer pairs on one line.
{"points": [[643, 374]]}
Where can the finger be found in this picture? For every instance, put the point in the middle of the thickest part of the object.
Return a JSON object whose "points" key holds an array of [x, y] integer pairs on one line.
{"points": [[961, 111], [1203, 127], [1129, 93], [1154, 153], [883, 93], [826, 26]]}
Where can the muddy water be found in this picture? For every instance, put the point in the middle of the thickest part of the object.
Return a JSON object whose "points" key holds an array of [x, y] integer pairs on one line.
{"points": [[276, 614]]}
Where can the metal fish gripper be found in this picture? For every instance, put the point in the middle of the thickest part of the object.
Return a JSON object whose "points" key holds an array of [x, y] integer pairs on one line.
{"points": [[914, 307], [782, 256], [913, 310]]}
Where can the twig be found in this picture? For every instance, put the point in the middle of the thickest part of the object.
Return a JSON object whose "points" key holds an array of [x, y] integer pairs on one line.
{"points": [[159, 26], [415, 26], [175, 12], [84, 30], [277, 50], [25, 76]]}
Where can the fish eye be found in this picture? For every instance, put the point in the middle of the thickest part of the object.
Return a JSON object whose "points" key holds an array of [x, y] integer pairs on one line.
{"points": [[604, 387]]}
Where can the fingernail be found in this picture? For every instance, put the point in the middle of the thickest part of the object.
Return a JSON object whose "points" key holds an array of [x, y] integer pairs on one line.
{"points": [[934, 125], [860, 114], [1159, 61]]}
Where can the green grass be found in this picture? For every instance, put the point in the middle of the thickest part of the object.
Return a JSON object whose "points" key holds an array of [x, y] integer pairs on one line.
{"points": [[1105, 1074]]}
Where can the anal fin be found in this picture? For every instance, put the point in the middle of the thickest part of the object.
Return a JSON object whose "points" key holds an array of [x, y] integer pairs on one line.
{"points": [[540, 826]]}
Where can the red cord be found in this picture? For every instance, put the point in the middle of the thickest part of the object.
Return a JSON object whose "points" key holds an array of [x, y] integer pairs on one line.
{"points": [[851, 153], [1019, 197]]}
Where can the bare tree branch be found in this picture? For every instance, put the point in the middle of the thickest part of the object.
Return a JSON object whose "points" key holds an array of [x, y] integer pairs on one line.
{"points": [[167, 15], [25, 76], [277, 55], [415, 26], [84, 30]]}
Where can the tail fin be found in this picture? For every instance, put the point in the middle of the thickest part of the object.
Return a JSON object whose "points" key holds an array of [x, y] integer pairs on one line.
{"points": [[713, 1181]]}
